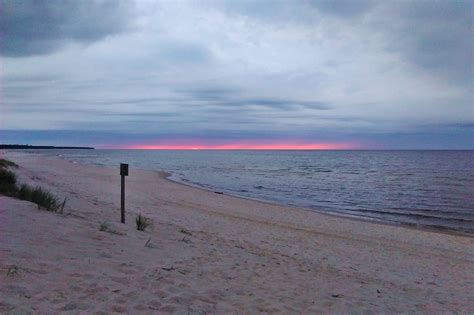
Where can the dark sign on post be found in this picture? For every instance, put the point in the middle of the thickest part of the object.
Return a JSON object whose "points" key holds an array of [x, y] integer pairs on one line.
{"points": [[123, 173], [124, 169]]}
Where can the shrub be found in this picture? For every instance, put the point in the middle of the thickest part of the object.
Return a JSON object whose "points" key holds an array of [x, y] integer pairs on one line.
{"points": [[7, 163], [39, 196], [142, 222]]}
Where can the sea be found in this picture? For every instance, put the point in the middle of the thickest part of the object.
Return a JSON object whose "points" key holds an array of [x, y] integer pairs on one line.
{"points": [[433, 189]]}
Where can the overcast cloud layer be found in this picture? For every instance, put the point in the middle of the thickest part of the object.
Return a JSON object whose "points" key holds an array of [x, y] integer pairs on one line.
{"points": [[382, 74]]}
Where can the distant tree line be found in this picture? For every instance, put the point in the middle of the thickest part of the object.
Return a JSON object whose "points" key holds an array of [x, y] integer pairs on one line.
{"points": [[26, 146]]}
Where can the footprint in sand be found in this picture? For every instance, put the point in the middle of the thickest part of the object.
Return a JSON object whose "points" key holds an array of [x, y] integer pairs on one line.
{"points": [[168, 309], [119, 309], [161, 294]]}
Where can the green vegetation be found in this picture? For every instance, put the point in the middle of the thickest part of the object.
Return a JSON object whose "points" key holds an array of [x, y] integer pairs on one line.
{"points": [[142, 222], [6, 163], [104, 227], [61, 209], [39, 196], [7, 182], [8, 187]]}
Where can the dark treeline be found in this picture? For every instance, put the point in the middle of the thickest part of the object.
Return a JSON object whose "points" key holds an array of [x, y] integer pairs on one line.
{"points": [[26, 146]]}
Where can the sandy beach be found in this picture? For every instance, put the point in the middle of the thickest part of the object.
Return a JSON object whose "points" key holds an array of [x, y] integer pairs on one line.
{"points": [[211, 253]]}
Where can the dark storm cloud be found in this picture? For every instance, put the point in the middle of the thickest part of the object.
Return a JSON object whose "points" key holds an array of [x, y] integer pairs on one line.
{"points": [[436, 36], [30, 27]]}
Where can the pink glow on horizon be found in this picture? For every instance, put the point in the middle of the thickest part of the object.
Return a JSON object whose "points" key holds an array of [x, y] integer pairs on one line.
{"points": [[248, 145]]}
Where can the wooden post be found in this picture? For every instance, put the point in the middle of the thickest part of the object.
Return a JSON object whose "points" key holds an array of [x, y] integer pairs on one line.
{"points": [[122, 202], [123, 173]]}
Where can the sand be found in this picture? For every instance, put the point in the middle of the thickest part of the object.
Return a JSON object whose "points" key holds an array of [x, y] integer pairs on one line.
{"points": [[212, 253]]}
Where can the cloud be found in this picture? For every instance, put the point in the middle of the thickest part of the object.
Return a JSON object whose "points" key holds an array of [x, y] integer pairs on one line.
{"points": [[227, 97], [30, 27], [285, 104], [239, 69], [420, 140], [185, 53], [209, 94], [435, 36], [343, 8]]}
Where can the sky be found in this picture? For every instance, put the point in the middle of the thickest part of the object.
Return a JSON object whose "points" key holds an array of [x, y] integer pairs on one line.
{"points": [[299, 74]]}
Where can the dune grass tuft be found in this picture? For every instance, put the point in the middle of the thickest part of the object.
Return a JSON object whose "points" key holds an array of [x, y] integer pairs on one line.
{"points": [[61, 209], [41, 197], [8, 187], [7, 182], [104, 227], [142, 222], [4, 163], [7, 177]]}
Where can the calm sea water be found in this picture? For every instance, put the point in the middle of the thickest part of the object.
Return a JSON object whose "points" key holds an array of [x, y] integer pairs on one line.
{"points": [[425, 188]]}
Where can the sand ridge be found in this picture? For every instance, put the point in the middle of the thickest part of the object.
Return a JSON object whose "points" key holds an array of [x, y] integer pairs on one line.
{"points": [[212, 253]]}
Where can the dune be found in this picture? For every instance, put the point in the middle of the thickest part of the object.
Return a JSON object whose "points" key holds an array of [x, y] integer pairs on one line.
{"points": [[211, 253]]}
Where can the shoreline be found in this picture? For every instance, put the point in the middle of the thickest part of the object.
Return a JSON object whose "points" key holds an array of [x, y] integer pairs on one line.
{"points": [[211, 253], [189, 183], [426, 228]]}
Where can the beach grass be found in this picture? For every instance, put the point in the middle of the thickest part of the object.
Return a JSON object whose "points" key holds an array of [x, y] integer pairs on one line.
{"points": [[7, 178], [4, 163], [105, 227], [142, 222], [7, 182], [41, 197], [38, 195]]}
